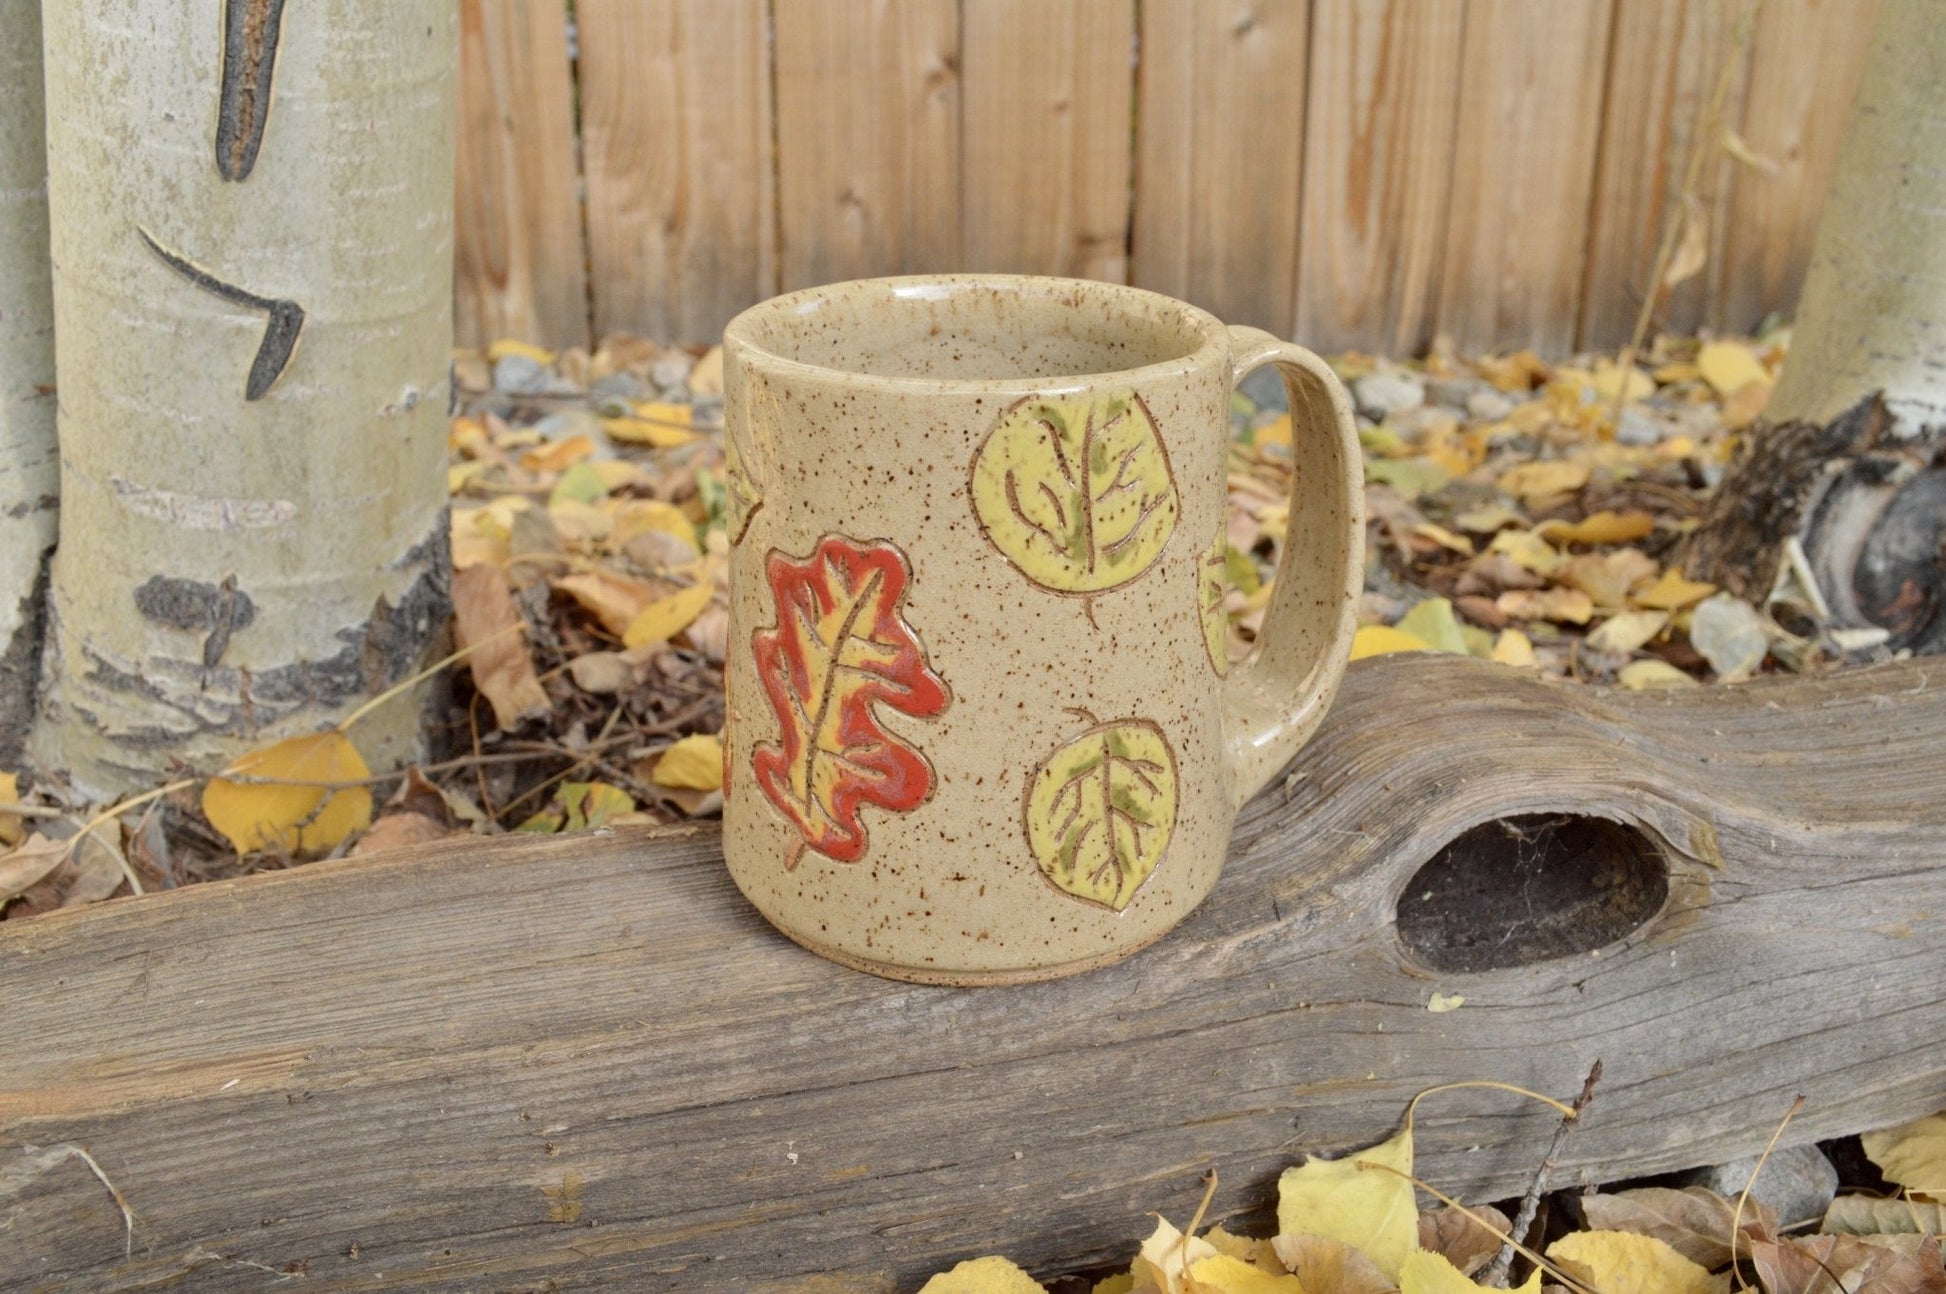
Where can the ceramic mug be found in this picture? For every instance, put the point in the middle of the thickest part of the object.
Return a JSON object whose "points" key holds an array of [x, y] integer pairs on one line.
{"points": [[982, 727]]}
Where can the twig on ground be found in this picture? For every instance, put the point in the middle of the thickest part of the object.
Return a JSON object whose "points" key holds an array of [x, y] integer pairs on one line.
{"points": [[1496, 1272]]}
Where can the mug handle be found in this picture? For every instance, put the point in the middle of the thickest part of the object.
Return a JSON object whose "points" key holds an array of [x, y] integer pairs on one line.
{"points": [[1274, 701]]}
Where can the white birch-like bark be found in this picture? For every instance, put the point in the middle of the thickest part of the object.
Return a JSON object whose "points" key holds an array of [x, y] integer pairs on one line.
{"points": [[29, 469], [1873, 314], [254, 538]]}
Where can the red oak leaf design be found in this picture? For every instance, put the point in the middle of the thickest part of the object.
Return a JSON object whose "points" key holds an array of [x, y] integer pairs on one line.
{"points": [[840, 647]]}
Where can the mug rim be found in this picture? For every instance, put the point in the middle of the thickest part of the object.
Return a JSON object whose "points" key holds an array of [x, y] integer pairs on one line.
{"points": [[1211, 349]]}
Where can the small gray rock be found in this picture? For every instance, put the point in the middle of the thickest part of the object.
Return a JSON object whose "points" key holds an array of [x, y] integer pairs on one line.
{"points": [[1453, 392], [520, 375], [1799, 1183], [1730, 633], [1489, 405], [1387, 391], [622, 386], [670, 371], [1264, 387], [1637, 428]]}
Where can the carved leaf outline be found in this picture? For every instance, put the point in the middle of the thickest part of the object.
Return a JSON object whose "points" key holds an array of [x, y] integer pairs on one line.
{"points": [[1076, 491], [1211, 586], [1100, 811], [840, 648]]}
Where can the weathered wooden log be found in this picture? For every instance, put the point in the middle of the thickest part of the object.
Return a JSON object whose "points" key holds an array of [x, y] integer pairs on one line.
{"points": [[586, 1063]]}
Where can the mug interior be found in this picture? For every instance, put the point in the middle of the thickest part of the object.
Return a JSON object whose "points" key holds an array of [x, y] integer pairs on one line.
{"points": [[975, 328]]}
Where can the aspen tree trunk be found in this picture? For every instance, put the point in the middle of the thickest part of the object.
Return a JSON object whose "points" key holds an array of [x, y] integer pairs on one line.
{"points": [[29, 469], [1851, 459], [252, 206]]}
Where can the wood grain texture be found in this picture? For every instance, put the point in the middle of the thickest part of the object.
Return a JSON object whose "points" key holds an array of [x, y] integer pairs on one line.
{"points": [[676, 148], [519, 266], [1378, 170], [868, 138], [1220, 144], [587, 1060], [1805, 60], [1045, 133], [1530, 97], [1664, 65]]}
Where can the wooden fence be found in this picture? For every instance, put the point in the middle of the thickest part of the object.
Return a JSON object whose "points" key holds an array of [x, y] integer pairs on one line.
{"points": [[1356, 173]]}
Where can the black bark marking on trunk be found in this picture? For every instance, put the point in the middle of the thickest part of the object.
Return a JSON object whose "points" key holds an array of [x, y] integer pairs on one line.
{"points": [[250, 32], [20, 668], [280, 334], [193, 605]]}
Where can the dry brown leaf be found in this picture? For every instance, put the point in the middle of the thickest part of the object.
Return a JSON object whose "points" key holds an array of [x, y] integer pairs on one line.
{"points": [[1694, 1221], [397, 830], [1848, 1265], [97, 869], [1320, 1263], [613, 599], [1564, 606], [1533, 482], [1862, 1215], [24, 866], [1462, 1241], [1492, 574], [1692, 243], [486, 619]]}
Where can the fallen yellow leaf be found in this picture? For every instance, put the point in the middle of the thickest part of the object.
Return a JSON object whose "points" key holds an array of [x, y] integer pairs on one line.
{"points": [[656, 423], [983, 1276], [664, 618], [1440, 1003], [613, 599], [1608, 382], [294, 818], [11, 829], [1433, 623], [1604, 527], [1275, 432], [1444, 537], [1371, 1209], [1531, 482], [1621, 1262], [1729, 366], [694, 763], [1429, 1273], [1167, 1255], [556, 455], [706, 376], [1226, 1275], [1527, 549], [1671, 592], [1628, 631], [1913, 1155], [1513, 647], [1383, 640], [1566, 606], [1644, 675], [638, 516], [506, 346]]}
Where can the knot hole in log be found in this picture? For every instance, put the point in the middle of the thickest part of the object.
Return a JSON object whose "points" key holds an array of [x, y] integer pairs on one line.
{"points": [[1529, 888]]}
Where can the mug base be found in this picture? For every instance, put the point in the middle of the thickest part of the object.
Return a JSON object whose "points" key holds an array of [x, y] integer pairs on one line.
{"points": [[963, 978]]}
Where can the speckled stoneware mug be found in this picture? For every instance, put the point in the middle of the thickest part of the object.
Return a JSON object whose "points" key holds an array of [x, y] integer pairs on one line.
{"points": [[982, 727]]}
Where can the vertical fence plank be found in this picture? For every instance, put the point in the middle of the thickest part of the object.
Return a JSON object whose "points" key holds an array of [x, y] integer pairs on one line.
{"points": [[676, 148], [518, 258], [1218, 154], [868, 114], [1531, 76], [1048, 86], [1806, 58], [1667, 59], [1378, 168]]}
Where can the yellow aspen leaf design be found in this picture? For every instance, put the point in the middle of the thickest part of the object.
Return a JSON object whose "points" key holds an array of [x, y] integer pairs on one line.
{"points": [[1076, 491], [1210, 589], [841, 648], [1100, 810]]}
